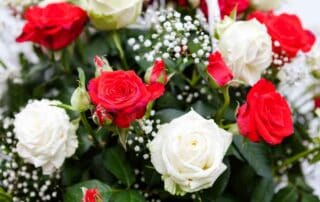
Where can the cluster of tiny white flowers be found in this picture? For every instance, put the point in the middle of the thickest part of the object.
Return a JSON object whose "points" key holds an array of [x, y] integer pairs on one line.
{"points": [[295, 71], [279, 59], [190, 95], [21, 180], [138, 142], [174, 37]]}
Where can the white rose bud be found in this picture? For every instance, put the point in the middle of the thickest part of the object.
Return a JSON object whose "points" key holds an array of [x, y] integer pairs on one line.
{"points": [[112, 14], [80, 100], [45, 135], [265, 5], [247, 49], [189, 153]]}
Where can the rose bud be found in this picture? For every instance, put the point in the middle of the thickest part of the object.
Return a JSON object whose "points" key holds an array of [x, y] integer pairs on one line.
{"points": [[101, 116], [80, 100], [91, 195], [316, 102], [101, 64], [218, 70], [156, 73]]}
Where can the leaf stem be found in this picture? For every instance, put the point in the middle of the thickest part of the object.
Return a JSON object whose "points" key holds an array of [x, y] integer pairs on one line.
{"points": [[226, 96], [117, 43], [89, 129], [297, 157]]}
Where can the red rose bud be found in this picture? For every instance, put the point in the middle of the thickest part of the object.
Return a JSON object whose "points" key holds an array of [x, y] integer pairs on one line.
{"points": [[265, 115], [218, 70], [156, 73], [54, 26], [287, 33], [316, 102], [123, 95], [91, 195], [101, 64], [101, 116]]}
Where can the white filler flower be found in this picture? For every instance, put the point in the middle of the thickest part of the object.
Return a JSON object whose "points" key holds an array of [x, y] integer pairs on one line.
{"points": [[247, 49], [45, 135], [189, 153]]}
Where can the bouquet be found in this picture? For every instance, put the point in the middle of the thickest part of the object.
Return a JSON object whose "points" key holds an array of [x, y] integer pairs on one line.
{"points": [[157, 100]]}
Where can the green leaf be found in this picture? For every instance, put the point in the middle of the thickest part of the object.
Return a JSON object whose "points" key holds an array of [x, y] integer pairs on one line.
{"points": [[115, 162], [287, 194], [203, 108], [4, 197], [263, 191], [74, 193], [127, 196], [166, 115], [152, 177], [309, 198], [256, 154]]}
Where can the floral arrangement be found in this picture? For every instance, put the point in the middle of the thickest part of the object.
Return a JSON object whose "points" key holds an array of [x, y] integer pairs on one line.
{"points": [[154, 100]]}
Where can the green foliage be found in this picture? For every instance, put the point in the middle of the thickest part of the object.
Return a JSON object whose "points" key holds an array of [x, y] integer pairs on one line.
{"points": [[115, 162], [127, 196], [256, 154]]}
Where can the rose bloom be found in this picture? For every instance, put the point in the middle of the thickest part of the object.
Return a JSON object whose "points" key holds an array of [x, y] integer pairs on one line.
{"points": [[123, 95], [246, 48], [112, 15], [287, 33], [189, 153], [226, 6], [218, 70], [265, 115], [54, 26], [45, 135]]}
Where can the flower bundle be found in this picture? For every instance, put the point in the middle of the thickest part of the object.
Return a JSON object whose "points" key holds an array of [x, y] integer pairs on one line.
{"points": [[133, 101]]}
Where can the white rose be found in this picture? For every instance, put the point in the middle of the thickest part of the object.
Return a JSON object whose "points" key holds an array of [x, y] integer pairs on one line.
{"points": [[188, 152], [265, 4], [45, 135], [112, 14], [247, 49]]}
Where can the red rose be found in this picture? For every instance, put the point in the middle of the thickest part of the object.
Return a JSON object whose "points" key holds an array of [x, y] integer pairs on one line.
{"points": [[266, 115], [91, 195], [226, 6], [287, 33], [54, 26], [218, 70], [123, 95]]}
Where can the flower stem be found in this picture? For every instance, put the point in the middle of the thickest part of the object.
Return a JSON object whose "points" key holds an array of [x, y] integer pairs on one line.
{"points": [[226, 96], [297, 157], [89, 129], [117, 43]]}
